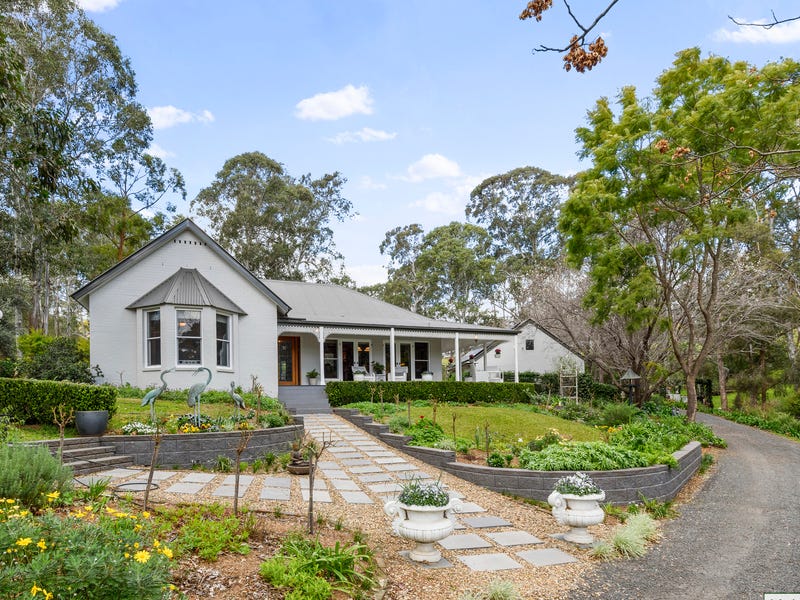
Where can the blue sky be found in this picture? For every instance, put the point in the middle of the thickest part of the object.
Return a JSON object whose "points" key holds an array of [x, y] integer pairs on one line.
{"points": [[413, 101]]}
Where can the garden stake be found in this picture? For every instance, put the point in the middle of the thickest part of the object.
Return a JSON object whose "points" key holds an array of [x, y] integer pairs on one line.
{"points": [[243, 441], [486, 435], [156, 444], [408, 406], [61, 419], [313, 453], [454, 426], [433, 402], [380, 396]]}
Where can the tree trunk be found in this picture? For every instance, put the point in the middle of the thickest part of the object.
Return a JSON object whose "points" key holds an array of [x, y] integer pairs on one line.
{"points": [[722, 374], [763, 383], [691, 396]]}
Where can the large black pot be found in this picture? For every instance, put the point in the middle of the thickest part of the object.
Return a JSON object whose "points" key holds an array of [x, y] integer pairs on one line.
{"points": [[91, 422]]}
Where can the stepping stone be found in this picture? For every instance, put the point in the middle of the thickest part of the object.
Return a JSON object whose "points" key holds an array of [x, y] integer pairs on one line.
{"points": [[89, 480], [375, 478], [378, 453], [355, 497], [358, 462], [471, 507], [119, 473], [341, 449], [319, 495], [370, 469], [390, 460], [410, 474], [319, 484], [272, 493], [198, 477], [466, 541], [185, 488], [328, 464], [513, 538], [399, 467], [348, 455], [157, 476], [278, 482], [490, 562], [382, 488], [481, 522], [335, 474], [443, 563], [455, 494], [546, 557], [227, 491], [345, 484], [244, 480]]}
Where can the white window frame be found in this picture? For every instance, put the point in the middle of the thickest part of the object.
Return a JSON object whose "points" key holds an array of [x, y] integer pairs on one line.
{"points": [[226, 342], [179, 337], [148, 338]]}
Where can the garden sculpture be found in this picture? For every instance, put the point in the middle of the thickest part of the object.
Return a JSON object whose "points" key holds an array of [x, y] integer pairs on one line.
{"points": [[194, 394], [237, 399], [150, 397]]}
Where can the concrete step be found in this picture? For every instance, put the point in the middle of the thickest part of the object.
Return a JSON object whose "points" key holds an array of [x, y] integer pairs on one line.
{"points": [[87, 453], [304, 399], [103, 463]]}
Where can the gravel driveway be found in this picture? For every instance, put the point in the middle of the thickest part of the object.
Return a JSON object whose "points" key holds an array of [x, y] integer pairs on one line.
{"points": [[739, 538]]}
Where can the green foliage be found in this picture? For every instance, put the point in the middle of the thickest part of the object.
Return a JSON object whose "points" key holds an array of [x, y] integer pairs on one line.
{"points": [[60, 359], [313, 571], [347, 392], [222, 464], [542, 441], [32, 401], [417, 492], [774, 423], [29, 473], [113, 556], [399, 423], [208, 530], [495, 459], [582, 456], [579, 484], [657, 509], [496, 590], [616, 414], [424, 432], [706, 462]]}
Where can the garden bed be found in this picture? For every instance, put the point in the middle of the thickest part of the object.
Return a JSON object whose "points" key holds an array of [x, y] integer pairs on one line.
{"points": [[624, 486]]}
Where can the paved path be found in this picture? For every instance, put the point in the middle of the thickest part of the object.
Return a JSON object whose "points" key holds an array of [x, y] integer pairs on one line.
{"points": [[738, 539], [365, 474]]}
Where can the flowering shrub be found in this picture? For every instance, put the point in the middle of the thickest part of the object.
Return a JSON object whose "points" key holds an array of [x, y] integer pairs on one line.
{"points": [[424, 432], [579, 484], [138, 428], [88, 553], [418, 493]]}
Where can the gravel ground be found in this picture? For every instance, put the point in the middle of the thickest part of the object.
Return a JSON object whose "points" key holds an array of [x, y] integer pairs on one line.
{"points": [[738, 539]]}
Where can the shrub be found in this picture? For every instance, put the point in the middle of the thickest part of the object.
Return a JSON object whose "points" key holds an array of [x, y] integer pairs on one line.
{"points": [[541, 442], [60, 359], [33, 401], [496, 459], [29, 473], [347, 392], [616, 414], [208, 530], [424, 432], [582, 456], [420, 493], [109, 555]]}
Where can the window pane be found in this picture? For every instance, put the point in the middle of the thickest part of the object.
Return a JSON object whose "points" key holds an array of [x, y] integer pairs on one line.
{"points": [[222, 327], [331, 350], [189, 323], [154, 324], [153, 352], [223, 341], [420, 359], [153, 338], [189, 337], [189, 351]]}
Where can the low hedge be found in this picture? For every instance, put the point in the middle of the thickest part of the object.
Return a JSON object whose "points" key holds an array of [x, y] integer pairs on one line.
{"points": [[33, 400], [550, 383], [345, 392]]}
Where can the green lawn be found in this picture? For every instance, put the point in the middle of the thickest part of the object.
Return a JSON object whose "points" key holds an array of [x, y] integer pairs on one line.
{"points": [[130, 409]]}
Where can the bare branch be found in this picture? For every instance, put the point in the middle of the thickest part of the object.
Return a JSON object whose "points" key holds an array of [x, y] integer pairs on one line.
{"points": [[775, 21]]}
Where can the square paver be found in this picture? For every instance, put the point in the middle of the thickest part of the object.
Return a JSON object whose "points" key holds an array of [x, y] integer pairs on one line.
{"points": [[513, 538], [345, 484], [244, 480], [375, 478], [465, 541], [319, 495], [120, 473], [89, 480], [357, 462], [335, 474], [227, 491], [481, 522], [442, 564], [369, 469], [157, 475], [471, 507], [412, 474], [389, 460], [272, 493], [185, 488], [356, 497], [328, 464], [278, 482], [198, 477], [382, 488], [546, 557], [349, 455], [490, 562], [379, 453], [319, 484], [397, 467]]}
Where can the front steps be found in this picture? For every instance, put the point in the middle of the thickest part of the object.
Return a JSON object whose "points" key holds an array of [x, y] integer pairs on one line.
{"points": [[87, 455], [304, 399]]}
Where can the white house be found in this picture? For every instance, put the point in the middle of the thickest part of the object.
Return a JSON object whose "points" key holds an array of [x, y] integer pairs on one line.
{"points": [[184, 302], [533, 349]]}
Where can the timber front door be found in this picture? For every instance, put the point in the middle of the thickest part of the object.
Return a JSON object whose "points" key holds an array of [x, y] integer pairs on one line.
{"points": [[288, 361]]}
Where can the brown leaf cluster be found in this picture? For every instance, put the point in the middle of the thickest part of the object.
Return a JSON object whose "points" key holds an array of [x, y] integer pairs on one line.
{"points": [[535, 9], [583, 59]]}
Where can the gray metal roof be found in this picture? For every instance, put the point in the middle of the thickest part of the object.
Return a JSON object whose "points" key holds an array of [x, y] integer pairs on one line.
{"points": [[189, 288], [323, 303]]}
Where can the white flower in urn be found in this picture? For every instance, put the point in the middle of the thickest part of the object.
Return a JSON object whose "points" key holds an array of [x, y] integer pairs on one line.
{"points": [[575, 501]]}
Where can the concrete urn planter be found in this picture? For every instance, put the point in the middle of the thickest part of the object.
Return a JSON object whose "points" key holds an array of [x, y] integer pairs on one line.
{"points": [[424, 525], [578, 512], [91, 422]]}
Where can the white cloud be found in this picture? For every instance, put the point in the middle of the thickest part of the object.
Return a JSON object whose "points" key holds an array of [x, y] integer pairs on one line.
{"points": [[330, 106], [432, 166], [164, 117], [98, 5], [444, 203], [159, 152], [367, 274], [367, 183], [364, 135], [785, 33]]}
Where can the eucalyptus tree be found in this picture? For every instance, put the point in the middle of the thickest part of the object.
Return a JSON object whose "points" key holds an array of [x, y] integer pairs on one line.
{"points": [[276, 225], [675, 185]]}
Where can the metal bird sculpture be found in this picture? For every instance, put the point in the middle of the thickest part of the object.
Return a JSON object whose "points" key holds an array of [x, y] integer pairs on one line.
{"points": [[194, 394], [237, 399], [151, 396]]}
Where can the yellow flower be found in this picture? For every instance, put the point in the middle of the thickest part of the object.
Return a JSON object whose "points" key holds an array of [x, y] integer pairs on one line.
{"points": [[166, 552], [156, 543], [53, 496], [127, 555], [146, 515], [35, 589], [141, 556], [135, 544], [42, 545], [23, 542]]}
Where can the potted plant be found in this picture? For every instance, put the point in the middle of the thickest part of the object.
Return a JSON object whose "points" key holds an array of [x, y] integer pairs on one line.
{"points": [[427, 376], [378, 370], [576, 503], [423, 512], [312, 375]]}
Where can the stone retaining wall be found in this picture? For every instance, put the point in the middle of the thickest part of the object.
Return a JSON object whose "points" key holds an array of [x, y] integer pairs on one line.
{"points": [[658, 482], [187, 449]]}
